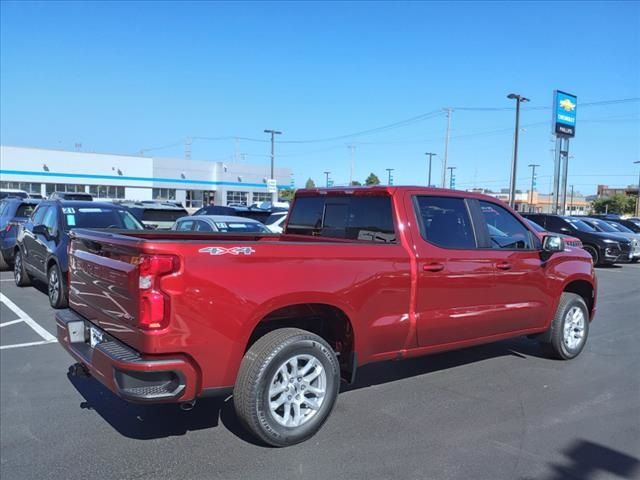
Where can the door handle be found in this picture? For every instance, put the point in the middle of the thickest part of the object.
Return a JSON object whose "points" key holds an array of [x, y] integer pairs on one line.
{"points": [[432, 267], [504, 266]]}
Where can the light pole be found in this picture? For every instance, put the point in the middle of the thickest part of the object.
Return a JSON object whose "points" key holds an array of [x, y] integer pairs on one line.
{"points": [[273, 149], [451, 181], [638, 198], [512, 186], [571, 202], [533, 180], [431, 155], [326, 174], [389, 177]]}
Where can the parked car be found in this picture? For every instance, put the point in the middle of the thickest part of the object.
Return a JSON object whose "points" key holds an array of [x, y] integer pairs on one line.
{"points": [[216, 210], [159, 216], [275, 221], [219, 223], [359, 275], [42, 241], [607, 227], [253, 212], [13, 212], [568, 239], [630, 224], [82, 196], [12, 192], [604, 248]]}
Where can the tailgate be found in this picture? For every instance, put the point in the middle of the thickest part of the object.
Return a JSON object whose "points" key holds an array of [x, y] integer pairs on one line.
{"points": [[103, 282]]}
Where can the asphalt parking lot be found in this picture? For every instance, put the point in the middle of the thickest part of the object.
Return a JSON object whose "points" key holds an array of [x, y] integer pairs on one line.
{"points": [[500, 411]]}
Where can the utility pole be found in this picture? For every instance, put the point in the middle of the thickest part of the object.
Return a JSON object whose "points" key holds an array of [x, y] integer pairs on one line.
{"points": [[512, 185], [187, 148], [352, 149], [326, 174], [273, 149], [638, 199], [452, 182], [390, 178], [446, 147], [571, 202], [431, 155], [533, 184]]}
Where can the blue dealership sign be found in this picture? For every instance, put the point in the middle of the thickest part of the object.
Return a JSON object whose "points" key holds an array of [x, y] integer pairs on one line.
{"points": [[564, 114]]}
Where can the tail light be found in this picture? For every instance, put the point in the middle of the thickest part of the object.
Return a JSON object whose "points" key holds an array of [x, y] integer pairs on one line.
{"points": [[153, 302]]}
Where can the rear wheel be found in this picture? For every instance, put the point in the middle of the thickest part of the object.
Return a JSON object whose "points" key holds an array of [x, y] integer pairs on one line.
{"points": [[4, 265], [287, 386], [56, 287], [20, 274], [569, 329], [593, 251]]}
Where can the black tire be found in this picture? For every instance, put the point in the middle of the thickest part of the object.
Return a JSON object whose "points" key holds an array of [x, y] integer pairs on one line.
{"points": [[560, 346], [593, 251], [20, 274], [262, 365], [57, 287], [4, 265]]}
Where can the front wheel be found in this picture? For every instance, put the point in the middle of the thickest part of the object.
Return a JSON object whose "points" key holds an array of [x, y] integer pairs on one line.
{"points": [[593, 251], [20, 274], [56, 287], [287, 386], [569, 329]]}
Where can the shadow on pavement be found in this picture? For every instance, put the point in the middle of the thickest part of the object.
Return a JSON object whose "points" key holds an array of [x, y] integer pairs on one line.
{"points": [[145, 422], [588, 460]]}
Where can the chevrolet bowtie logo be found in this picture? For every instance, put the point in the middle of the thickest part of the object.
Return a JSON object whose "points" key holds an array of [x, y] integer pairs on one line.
{"points": [[568, 105]]}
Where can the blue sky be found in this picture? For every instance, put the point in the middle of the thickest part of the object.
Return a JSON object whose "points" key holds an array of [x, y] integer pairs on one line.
{"points": [[121, 77]]}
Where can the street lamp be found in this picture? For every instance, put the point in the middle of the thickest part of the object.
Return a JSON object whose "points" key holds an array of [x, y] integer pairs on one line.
{"points": [[512, 185], [431, 155], [533, 180], [273, 141]]}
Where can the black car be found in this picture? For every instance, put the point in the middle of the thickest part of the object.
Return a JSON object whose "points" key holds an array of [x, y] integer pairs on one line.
{"points": [[13, 212], [632, 225], [85, 197], [41, 247], [604, 248]]}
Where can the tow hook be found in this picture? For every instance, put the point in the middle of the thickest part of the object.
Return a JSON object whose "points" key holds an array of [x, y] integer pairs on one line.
{"points": [[79, 370], [187, 406]]}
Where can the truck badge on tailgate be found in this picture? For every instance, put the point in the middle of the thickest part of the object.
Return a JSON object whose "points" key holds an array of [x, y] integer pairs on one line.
{"points": [[225, 251]]}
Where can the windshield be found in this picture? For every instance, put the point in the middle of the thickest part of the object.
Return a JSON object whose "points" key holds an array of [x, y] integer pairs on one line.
{"points": [[274, 217], [242, 227], [620, 228], [159, 215], [604, 226], [580, 225], [98, 217], [535, 226]]}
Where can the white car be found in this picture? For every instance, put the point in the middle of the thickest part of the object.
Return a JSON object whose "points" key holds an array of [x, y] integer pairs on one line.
{"points": [[219, 223], [275, 221]]}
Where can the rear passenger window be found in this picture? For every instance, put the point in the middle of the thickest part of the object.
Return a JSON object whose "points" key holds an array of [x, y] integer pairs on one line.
{"points": [[505, 231], [185, 226], [364, 218], [445, 221], [203, 226]]}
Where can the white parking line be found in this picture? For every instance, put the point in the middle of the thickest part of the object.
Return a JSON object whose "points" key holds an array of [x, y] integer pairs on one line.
{"points": [[23, 317], [7, 280], [6, 324]]}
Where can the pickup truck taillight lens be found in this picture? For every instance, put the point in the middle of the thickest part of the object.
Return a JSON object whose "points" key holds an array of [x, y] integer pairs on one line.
{"points": [[154, 304]]}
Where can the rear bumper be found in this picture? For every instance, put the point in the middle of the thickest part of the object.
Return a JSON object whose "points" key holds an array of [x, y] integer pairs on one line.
{"points": [[123, 370]]}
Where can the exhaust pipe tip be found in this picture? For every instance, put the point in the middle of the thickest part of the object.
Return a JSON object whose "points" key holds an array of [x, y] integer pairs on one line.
{"points": [[187, 406]]}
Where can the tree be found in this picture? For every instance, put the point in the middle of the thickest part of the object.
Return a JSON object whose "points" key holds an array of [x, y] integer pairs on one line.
{"points": [[619, 204], [355, 183], [372, 179], [310, 183], [287, 195]]}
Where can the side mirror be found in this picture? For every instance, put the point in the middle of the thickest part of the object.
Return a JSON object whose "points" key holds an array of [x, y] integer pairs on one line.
{"points": [[40, 230], [552, 244]]}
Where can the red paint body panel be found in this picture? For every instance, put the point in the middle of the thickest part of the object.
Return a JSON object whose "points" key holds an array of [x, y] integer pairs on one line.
{"points": [[396, 303]]}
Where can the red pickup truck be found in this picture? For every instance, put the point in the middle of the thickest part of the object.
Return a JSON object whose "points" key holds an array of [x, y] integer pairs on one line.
{"points": [[359, 275]]}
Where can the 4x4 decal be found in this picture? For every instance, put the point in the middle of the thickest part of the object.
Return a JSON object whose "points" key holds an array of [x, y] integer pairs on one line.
{"points": [[225, 251]]}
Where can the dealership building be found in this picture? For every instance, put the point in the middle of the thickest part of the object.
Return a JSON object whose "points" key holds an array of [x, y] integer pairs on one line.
{"points": [[194, 183]]}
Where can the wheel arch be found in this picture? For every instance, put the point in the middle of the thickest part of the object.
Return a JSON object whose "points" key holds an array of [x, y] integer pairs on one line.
{"points": [[585, 289]]}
